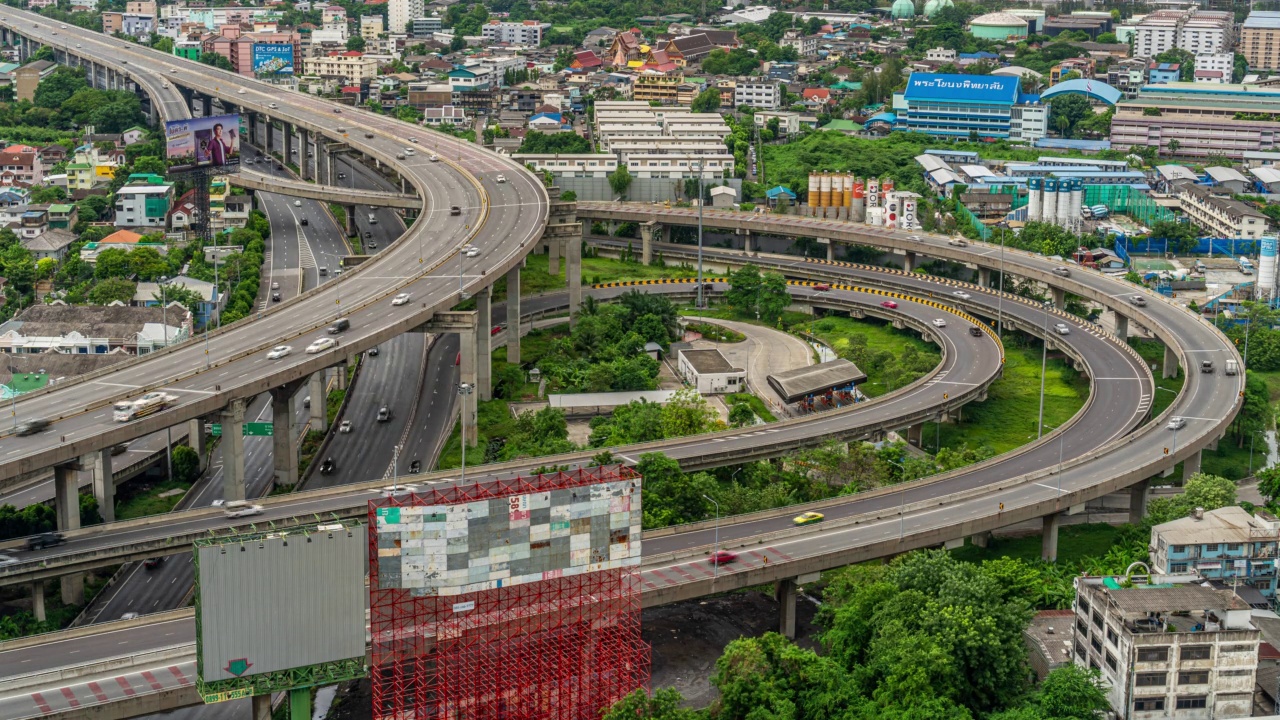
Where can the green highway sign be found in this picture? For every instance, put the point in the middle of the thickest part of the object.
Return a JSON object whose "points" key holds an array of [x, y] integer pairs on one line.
{"points": [[259, 429]]}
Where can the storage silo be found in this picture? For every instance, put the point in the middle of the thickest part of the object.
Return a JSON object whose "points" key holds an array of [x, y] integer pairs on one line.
{"points": [[1035, 188], [1077, 199], [824, 185], [1267, 268], [1064, 203], [858, 203], [1049, 210], [909, 221], [886, 187], [873, 192], [892, 208], [837, 191], [813, 192]]}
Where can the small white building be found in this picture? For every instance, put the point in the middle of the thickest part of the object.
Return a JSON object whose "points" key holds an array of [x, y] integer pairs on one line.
{"points": [[710, 372], [762, 94]]}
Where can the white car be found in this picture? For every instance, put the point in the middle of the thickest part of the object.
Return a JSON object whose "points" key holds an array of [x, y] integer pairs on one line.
{"points": [[64, 27], [434, 158], [501, 179], [939, 323], [345, 427], [240, 508], [962, 294], [1176, 423], [399, 490], [241, 91], [279, 351], [173, 71], [914, 237], [1062, 329], [409, 151], [413, 140], [8, 560], [957, 242], [401, 299], [473, 252], [321, 345]]}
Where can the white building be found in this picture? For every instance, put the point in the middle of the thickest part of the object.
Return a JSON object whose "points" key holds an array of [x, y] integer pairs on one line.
{"points": [[1028, 122], [1217, 62], [709, 372], [447, 115], [353, 67], [528, 32], [788, 122], [762, 94], [805, 45], [1221, 217], [571, 165], [1198, 32], [1169, 648], [402, 12], [665, 142], [143, 206]]}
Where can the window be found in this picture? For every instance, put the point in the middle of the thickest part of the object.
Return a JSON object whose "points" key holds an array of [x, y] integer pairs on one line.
{"points": [[1148, 704], [1084, 606], [1197, 652], [1080, 651], [1191, 702], [1193, 677], [1211, 548], [1111, 661], [1238, 648], [1153, 654], [1233, 547], [1150, 679], [1177, 567], [1096, 643], [1177, 549], [1112, 637], [1097, 620], [1082, 627]]}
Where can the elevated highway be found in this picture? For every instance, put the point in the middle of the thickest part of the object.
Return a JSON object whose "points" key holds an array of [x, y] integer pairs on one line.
{"points": [[328, 193]]}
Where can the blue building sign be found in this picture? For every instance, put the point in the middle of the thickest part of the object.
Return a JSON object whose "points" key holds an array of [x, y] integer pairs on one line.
{"points": [[272, 59], [967, 88]]}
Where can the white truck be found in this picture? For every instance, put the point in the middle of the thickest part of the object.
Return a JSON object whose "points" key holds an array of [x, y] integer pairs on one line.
{"points": [[127, 410]]}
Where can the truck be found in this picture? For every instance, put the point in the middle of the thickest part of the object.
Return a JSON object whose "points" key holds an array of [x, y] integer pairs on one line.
{"points": [[152, 402], [1246, 266]]}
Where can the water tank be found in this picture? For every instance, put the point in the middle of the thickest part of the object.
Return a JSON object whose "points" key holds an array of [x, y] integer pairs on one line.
{"points": [[1267, 268], [1035, 188], [1049, 210], [1064, 203], [813, 190], [873, 192], [824, 187], [858, 207]]}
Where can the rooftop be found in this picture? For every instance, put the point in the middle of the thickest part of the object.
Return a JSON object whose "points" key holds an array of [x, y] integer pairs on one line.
{"points": [[793, 385], [94, 321], [1231, 524], [709, 361]]}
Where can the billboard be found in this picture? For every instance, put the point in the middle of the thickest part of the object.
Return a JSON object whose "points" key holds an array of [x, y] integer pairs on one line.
{"points": [[212, 142], [272, 58], [499, 542], [260, 599]]}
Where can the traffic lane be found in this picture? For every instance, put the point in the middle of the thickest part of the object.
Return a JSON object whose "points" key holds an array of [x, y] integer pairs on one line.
{"points": [[388, 380], [108, 643], [135, 451], [437, 406]]}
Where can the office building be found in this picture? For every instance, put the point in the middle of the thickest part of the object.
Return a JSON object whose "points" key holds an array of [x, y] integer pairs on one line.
{"points": [[400, 13], [761, 94], [991, 106], [425, 27], [1228, 544], [1205, 119], [1166, 646], [351, 67], [528, 32], [1260, 40]]}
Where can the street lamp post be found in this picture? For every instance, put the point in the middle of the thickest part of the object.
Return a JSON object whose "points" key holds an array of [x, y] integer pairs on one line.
{"points": [[1044, 359], [701, 299], [902, 500], [715, 556], [395, 469], [1060, 438], [1000, 296], [164, 320], [464, 390]]}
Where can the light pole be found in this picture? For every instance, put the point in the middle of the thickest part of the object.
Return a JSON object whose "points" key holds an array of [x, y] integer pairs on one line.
{"points": [[395, 469], [715, 556], [902, 499], [464, 390], [698, 167], [164, 320], [1060, 437], [1000, 296], [1044, 359]]}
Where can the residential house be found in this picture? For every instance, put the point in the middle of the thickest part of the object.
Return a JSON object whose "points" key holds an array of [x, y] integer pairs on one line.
{"points": [[1229, 545], [90, 168], [93, 329], [445, 115], [547, 122], [144, 202], [185, 214], [816, 98], [27, 78], [1158, 73], [63, 216], [805, 45], [1221, 217], [211, 301], [50, 244], [586, 60], [423, 95], [21, 165]]}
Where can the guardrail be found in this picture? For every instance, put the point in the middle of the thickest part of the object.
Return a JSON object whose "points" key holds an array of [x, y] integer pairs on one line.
{"points": [[71, 672]]}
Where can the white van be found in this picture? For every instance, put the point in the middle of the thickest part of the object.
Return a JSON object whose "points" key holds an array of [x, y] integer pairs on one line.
{"points": [[373, 219], [1231, 367]]}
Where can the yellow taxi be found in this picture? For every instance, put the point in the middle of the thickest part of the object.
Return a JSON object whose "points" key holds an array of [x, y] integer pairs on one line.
{"points": [[808, 518]]}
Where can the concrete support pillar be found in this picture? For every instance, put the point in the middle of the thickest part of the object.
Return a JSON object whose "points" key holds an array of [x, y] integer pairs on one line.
{"points": [[981, 539], [513, 316], [232, 419], [984, 277], [104, 485], [1059, 298], [1212, 446], [66, 501], [553, 256], [340, 375], [1049, 538], [646, 243], [831, 250], [1137, 502], [1191, 465], [467, 343], [913, 434], [1170, 363], [284, 456], [262, 707], [304, 145], [196, 439], [746, 241], [909, 262], [787, 608], [37, 600], [271, 136], [319, 418], [300, 703], [1122, 327], [573, 274], [484, 344], [207, 105], [288, 144], [352, 230]]}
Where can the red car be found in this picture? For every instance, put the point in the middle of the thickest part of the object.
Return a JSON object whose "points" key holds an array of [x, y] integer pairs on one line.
{"points": [[721, 557], [496, 329], [889, 304], [822, 287]]}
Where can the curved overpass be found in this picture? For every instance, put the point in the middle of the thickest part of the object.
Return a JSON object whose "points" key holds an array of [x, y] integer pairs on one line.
{"points": [[326, 193], [503, 219]]}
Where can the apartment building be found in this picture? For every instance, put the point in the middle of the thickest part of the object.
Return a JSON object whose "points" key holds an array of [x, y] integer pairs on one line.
{"points": [[653, 86], [665, 142], [1215, 67], [402, 12], [1219, 216], [353, 67], [1204, 118], [21, 165], [371, 26], [425, 27], [1227, 544], [1156, 33], [1260, 40], [528, 32], [571, 165], [761, 94], [1166, 646], [1198, 32], [805, 45]]}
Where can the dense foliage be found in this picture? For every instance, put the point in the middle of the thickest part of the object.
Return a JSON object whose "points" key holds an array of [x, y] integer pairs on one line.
{"points": [[604, 350]]}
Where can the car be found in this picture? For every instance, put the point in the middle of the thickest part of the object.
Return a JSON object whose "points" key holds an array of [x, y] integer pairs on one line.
{"points": [[119, 449], [340, 325], [1206, 366], [473, 252], [434, 158], [1062, 329], [962, 294], [401, 299], [889, 304], [304, 222], [368, 235], [808, 518], [917, 238], [495, 330], [241, 91], [130, 616], [399, 156], [32, 426], [297, 203], [500, 179], [327, 466], [337, 110], [321, 345], [273, 106], [821, 287], [275, 286], [415, 467], [1062, 271], [279, 351], [373, 245], [410, 151], [79, 45], [173, 71], [342, 130], [720, 557], [939, 322], [1138, 300], [64, 27], [413, 140], [8, 560], [957, 242], [975, 331], [384, 414], [342, 176], [44, 540], [153, 563], [240, 508], [368, 136], [455, 210], [306, 402], [373, 351], [345, 427], [275, 297], [1176, 423]]}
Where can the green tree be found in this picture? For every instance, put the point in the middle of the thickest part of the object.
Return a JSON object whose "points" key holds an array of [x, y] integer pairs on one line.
{"points": [[56, 89], [741, 415], [1201, 490], [186, 464], [565, 143], [1066, 111], [773, 297], [744, 288], [687, 413], [112, 263], [620, 181], [189, 299], [222, 62], [664, 704], [707, 101], [356, 43]]}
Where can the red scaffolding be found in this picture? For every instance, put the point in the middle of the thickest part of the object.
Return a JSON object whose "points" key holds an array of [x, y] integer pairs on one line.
{"points": [[558, 648]]}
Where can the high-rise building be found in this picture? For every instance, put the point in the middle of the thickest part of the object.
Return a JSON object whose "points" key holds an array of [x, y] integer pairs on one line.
{"points": [[528, 32], [402, 12], [1260, 40]]}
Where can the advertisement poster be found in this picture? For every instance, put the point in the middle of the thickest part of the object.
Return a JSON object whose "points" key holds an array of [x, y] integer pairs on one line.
{"points": [[203, 142], [272, 59]]}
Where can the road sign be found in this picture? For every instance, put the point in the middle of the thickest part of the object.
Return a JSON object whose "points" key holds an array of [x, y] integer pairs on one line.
{"points": [[259, 429]]}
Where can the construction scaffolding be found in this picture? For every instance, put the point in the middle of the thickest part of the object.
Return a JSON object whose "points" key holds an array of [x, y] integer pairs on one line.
{"points": [[562, 647]]}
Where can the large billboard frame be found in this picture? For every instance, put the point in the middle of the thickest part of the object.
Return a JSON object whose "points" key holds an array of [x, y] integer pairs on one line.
{"points": [[204, 144], [270, 53], [325, 673]]}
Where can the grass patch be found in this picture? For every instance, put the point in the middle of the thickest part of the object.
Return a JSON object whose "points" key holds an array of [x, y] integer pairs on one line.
{"points": [[535, 345], [310, 445], [145, 499], [1007, 419], [604, 270], [757, 405], [1075, 542], [339, 214], [716, 333], [837, 331], [1232, 462], [494, 419]]}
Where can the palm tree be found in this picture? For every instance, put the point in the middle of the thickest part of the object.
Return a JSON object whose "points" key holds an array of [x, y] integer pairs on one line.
{"points": [[1174, 146]]}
